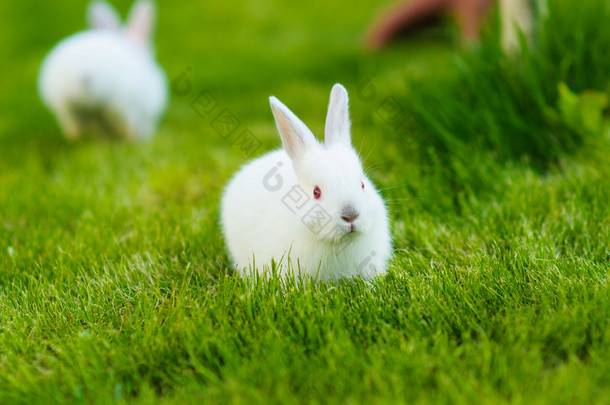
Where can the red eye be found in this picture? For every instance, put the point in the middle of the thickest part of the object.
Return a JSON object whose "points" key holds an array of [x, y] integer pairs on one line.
{"points": [[363, 185], [317, 193]]}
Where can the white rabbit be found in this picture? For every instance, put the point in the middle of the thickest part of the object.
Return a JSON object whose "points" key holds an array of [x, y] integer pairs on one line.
{"points": [[106, 79], [308, 204]]}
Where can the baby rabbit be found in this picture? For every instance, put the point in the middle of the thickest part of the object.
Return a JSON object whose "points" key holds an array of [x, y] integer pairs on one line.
{"points": [[309, 207], [106, 79]]}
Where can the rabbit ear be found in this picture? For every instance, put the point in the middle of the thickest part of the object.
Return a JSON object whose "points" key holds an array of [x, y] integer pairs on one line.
{"points": [[296, 137], [337, 129], [141, 21], [103, 16]]}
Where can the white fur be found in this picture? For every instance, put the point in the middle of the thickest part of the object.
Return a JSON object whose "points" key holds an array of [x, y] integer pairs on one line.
{"points": [[109, 72], [259, 227]]}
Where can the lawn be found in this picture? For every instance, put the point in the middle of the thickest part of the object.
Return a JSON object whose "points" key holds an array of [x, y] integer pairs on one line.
{"points": [[115, 285]]}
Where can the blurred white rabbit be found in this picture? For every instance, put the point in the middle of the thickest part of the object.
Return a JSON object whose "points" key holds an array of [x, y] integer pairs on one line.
{"points": [[106, 79]]}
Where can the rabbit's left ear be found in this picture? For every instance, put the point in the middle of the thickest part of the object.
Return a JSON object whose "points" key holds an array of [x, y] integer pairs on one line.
{"points": [[297, 139], [141, 22], [103, 16], [337, 129]]}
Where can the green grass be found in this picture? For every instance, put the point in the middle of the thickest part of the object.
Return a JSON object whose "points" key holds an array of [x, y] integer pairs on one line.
{"points": [[534, 105], [114, 282]]}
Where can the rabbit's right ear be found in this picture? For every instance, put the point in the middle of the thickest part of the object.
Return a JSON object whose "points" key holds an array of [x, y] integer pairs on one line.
{"points": [[337, 129], [296, 137], [103, 16], [141, 21]]}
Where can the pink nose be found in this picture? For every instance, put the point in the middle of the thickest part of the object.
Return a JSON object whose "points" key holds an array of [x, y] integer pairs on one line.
{"points": [[349, 214], [350, 219]]}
